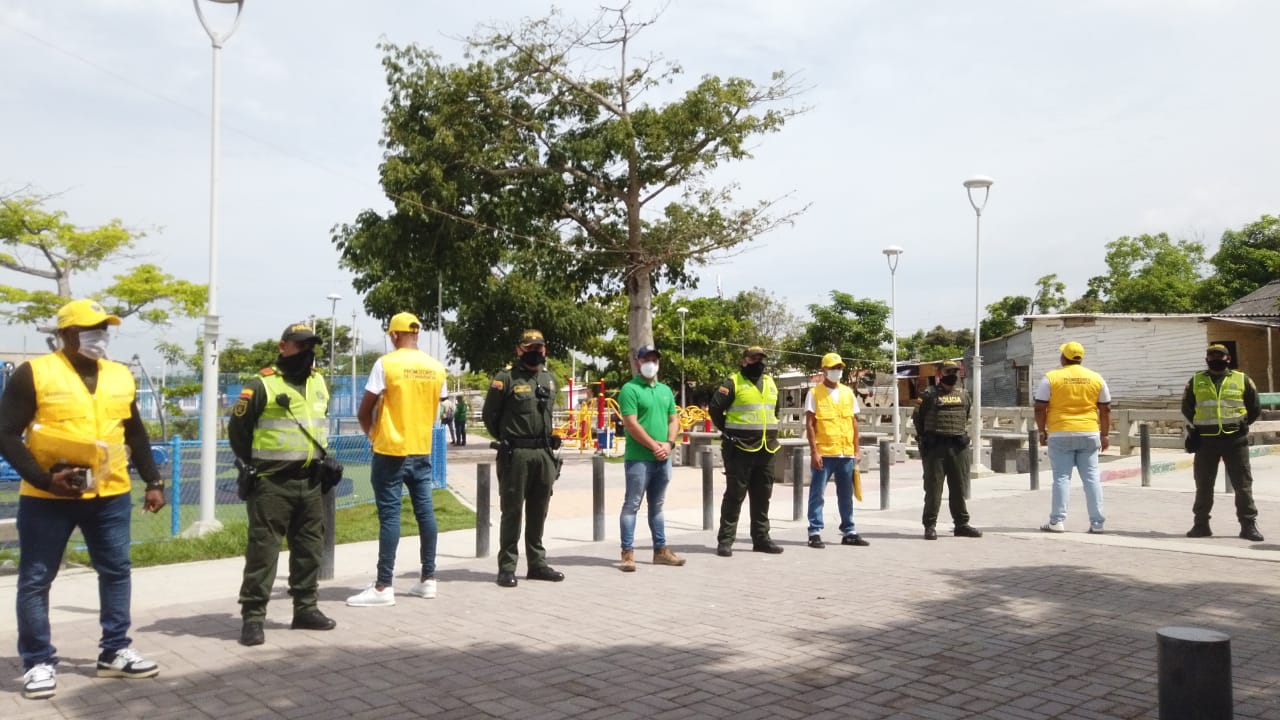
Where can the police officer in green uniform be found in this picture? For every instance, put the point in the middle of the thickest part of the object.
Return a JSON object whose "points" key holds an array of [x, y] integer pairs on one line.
{"points": [[744, 410], [517, 413], [941, 420], [279, 483], [1221, 403]]}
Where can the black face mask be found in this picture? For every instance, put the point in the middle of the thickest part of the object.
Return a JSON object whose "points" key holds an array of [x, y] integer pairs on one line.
{"points": [[950, 380], [753, 371], [1217, 365], [532, 358], [296, 366]]}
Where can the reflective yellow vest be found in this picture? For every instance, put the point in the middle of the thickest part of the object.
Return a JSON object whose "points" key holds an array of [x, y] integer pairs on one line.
{"points": [[277, 436], [78, 428], [833, 420], [1216, 404], [410, 399], [750, 422], [1073, 399]]}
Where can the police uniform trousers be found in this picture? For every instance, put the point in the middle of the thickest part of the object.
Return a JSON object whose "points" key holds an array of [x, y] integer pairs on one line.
{"points": [[282, 507], [947, 458], [1233, 449], [747, 475], [525, 480]]}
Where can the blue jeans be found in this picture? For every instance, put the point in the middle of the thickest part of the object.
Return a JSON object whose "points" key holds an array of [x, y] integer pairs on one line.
{"points": [[387, 473], [44, 527], [651, 478], [1079, 452], [842, 470]]}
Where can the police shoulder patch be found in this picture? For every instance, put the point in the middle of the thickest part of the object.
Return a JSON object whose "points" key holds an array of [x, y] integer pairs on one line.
{"points": [[246, 394], [496, 385], [241, 407]]}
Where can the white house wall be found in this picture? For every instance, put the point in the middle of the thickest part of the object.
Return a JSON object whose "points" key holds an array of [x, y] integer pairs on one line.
{"points": [[1145, 360]]}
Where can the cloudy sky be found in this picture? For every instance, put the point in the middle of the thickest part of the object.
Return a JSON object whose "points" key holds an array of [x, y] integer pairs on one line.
{"points": [[1097, 118]]}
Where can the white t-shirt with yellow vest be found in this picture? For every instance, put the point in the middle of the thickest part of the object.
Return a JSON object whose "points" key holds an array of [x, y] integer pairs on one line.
{"points": [[411, 385]]}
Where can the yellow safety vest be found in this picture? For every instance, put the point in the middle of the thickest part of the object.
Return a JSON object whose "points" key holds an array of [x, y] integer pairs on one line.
{"points": [[1216, 404], [833, 420], [410, 399], [73, 426], [276, 436], [1073, 399], [750, 422]]}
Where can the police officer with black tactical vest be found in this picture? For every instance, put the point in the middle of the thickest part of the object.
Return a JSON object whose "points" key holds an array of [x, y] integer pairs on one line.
{"points": [[1221, 403], [517, 413], [744, 409], [268, 431], [941, 421]]}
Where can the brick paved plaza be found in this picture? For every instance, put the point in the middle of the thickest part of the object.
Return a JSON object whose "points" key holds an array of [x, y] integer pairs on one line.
{"points": [[1018, 624]]}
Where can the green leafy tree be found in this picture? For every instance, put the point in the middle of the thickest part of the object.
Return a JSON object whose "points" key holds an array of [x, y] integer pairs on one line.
{"points": [[40, 243], [1246, 260], [534, 182], [1051, 295], [1002, 316], [936, 344], [1150, 274], [855, 328]]}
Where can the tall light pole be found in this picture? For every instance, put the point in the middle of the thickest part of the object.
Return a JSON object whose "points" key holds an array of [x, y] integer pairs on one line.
{"points": [[983, 183], [355, 350], [333, 332], [683, 311], [891, 254], [209, 375]]}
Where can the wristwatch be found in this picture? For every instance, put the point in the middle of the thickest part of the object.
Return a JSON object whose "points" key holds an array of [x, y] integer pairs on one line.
{"points": [[156, 485]]}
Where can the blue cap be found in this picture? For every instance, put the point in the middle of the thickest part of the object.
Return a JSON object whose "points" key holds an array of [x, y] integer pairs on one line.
{"points": [[645, 350]]}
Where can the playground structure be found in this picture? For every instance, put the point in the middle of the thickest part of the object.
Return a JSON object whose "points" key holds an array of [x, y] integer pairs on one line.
{"points": [[597, 425]]}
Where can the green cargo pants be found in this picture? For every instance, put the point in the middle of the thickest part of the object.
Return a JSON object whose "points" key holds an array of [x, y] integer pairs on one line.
{"points": [[946, 458], [525, 480], [282, 508]]}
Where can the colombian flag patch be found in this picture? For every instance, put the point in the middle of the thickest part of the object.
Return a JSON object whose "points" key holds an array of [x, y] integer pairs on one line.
{"points": [[496, 385]]}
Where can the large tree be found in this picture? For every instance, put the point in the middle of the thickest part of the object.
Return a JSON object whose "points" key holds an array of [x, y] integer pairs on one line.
{"points": [[550, 171], [1150, 274], [1002, 316], [1246, 260], [43, 244], [936, 344], [855, 328]]}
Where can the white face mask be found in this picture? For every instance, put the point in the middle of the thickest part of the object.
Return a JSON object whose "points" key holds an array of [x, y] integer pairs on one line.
{"points": [[648, 370], [833, 375], [93, 344]]}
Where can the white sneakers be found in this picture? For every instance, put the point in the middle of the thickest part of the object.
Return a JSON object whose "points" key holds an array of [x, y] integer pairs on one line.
{"points": [[425, 589], [371, 596], [1054, 527], [40, 682]]}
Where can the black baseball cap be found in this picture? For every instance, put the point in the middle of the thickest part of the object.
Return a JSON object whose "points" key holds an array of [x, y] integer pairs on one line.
{"points": [[299, 333], [645, 350]]}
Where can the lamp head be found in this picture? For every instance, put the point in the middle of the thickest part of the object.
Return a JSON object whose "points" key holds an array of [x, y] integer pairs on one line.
{"points": [[979, 182], [682, 310], [331, 296], [893, 250]]}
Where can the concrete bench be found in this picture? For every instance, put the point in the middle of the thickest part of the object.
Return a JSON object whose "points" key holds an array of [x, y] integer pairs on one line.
{"points": [[1005, 447]]}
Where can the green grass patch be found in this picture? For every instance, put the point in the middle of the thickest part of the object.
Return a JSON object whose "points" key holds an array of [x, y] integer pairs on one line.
{"points": [[354, 524]]}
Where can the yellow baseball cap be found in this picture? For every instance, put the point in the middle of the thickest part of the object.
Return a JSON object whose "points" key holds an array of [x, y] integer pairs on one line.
{"points": [[832, 360], [404, 323], [84, 313], [1072, 351]]}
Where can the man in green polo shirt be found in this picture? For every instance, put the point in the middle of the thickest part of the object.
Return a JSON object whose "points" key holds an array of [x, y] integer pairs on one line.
{"points": [[651, 422]]}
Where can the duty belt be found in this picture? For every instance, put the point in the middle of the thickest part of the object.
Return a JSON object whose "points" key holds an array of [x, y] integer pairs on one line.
{"points": [[537, 442]]}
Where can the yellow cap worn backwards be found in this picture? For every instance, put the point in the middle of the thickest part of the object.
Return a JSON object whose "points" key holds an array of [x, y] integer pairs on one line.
{"points": [[84, 313], [404, 323], [832, 360], [1072, 351]]}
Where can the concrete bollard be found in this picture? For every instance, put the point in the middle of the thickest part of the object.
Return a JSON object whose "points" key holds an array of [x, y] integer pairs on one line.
{"points": [[483, 525], [886, 448], [1194, 670], [1144, 450], [597, 498], [708, 482], [330, 503], [797, 484], [1033, 457]]}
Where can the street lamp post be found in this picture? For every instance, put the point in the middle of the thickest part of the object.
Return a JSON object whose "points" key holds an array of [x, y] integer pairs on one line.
{"points": [[209, 376], [355, 350], [983, 183], [330, 506], [333, 332], [891, 254], [683, 311]]}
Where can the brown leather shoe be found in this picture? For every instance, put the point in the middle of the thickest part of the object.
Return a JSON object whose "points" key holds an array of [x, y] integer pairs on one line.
{"points": [[628, 561], [664, 556]]}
